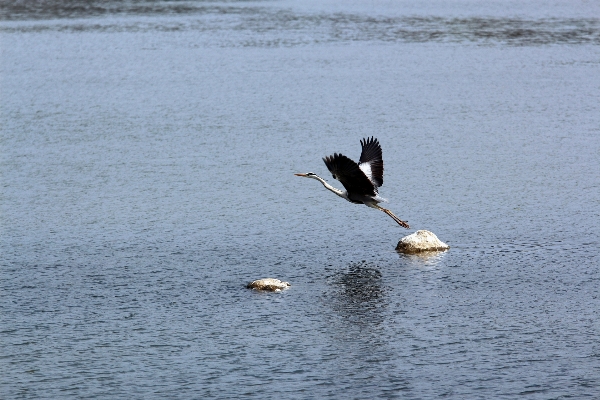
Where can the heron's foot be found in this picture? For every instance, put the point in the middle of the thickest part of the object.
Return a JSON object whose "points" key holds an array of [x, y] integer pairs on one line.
{"points": [[403, 224]]}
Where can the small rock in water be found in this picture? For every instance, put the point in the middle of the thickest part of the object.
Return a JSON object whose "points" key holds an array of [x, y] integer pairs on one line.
{"points": [[421, 241], [270, 284]]}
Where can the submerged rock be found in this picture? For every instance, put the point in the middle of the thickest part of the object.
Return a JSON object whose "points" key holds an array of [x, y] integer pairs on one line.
{"points": [[270, 284], [421, 241]]}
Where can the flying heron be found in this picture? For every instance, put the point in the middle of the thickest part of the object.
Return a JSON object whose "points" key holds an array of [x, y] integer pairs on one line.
{"points": [[360, 180]]}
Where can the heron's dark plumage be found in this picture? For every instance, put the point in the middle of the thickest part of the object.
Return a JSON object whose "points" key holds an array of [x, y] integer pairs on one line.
{"points": [[352, 175], [347, 171], [371, 154]]}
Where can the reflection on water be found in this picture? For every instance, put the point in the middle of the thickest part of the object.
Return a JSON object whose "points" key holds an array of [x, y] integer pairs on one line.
{"points": [[266, 25], [359, 295], [426, 259]]}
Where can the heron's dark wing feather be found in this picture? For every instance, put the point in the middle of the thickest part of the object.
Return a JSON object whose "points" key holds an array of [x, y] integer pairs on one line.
{"points": [[371, 160], [352, 177]]}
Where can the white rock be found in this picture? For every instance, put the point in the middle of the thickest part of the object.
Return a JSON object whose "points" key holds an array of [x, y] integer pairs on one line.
{"points": [[421, 241], [270, 284]]}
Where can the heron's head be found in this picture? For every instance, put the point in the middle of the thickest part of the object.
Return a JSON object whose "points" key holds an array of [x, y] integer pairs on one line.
{"points": [[307, 175]]}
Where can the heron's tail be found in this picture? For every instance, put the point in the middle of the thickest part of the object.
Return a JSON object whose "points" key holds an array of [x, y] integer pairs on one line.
{"points": [[380, 199]]}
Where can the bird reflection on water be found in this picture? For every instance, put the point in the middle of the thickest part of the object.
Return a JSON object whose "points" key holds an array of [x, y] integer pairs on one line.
{"points": [[358, 294]]}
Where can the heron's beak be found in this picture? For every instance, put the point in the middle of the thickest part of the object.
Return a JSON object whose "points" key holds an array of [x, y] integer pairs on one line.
{"points": [[300, 175]]}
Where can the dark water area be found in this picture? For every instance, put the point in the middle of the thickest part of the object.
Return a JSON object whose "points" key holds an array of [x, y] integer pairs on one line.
{"points": [[147, 154], [275, 24]]}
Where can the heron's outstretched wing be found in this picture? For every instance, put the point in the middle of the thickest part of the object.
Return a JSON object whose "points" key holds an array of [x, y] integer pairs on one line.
{"points": [[348, 172], [371, 161]]}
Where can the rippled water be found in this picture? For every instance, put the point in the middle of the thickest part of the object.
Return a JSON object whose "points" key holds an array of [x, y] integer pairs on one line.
{"points": [[241, 23], [147, 160]]}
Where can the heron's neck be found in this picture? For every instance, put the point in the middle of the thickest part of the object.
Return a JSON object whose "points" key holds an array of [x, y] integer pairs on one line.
{"points": [[339, 192]]}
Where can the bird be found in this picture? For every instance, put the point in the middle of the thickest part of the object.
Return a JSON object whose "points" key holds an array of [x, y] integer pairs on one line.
{"points": [[361, 180]]}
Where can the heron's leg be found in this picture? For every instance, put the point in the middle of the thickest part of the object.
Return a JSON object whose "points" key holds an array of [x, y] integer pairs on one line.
{"points": [[391, 214]]}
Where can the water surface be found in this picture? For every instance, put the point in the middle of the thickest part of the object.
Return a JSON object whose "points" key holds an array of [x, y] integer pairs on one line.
{"points": [[147, 160]]}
